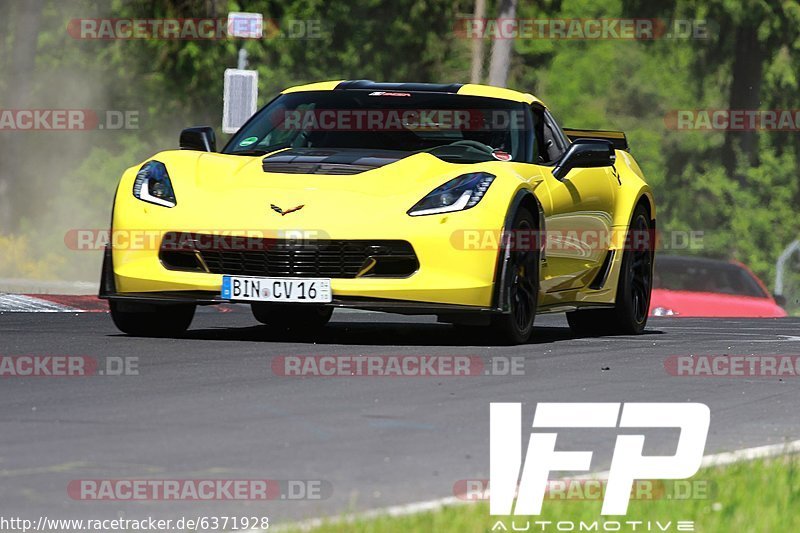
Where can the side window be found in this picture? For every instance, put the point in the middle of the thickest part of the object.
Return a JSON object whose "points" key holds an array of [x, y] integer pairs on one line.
{"points": [[556, 142], [551, 142]]}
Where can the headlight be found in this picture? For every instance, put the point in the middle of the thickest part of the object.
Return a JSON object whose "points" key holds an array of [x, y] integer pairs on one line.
{"points": [[153, 185], [457, 194]]}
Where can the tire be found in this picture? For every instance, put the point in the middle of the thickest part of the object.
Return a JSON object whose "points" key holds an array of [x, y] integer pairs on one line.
{"points": [[632, 303], [150, 320], [521, 288], [292, 317]]}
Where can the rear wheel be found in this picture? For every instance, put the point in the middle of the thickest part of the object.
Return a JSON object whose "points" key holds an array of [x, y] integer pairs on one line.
{"points": [[629, 315], [521, 285], [293, 317], [150, 320]]}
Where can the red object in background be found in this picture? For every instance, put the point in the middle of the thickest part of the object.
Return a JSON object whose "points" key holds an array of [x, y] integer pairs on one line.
{"points": [[699, 287]]}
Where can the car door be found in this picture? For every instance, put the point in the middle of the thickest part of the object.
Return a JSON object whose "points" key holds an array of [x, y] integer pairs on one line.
{"points": [[578, 223]]}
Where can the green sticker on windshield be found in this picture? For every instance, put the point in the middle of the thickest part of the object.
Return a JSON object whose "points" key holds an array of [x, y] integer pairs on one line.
{"points": [[248, 141]]}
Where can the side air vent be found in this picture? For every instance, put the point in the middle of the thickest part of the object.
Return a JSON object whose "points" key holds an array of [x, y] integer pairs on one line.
{"points": [[602, 275]]}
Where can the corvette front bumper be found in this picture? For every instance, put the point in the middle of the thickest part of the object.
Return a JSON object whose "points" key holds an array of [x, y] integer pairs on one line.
{"points": [[447, 278]]}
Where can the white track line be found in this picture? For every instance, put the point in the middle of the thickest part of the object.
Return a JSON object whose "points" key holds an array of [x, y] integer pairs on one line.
{"points": [[749, 454], [719, 459]]}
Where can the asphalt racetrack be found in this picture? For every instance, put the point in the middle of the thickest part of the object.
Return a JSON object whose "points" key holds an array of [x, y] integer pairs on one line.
{"points": [[211, 406]]}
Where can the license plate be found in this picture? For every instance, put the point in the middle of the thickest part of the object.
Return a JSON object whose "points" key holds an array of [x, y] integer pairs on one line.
{"points": [[298, 290]]}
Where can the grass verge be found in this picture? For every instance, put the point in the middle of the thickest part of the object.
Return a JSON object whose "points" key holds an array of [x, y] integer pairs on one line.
{"points": [[758, 496]]}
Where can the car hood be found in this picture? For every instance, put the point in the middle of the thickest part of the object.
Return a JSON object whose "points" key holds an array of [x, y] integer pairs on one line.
{"points": [[337, 189], [710, 304], [310, 172]]}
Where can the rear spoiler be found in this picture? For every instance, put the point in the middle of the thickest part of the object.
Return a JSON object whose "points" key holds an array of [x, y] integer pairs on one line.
{"points": [[617, 138]]}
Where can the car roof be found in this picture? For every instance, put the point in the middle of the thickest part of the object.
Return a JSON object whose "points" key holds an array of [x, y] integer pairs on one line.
{"points": [[467, 89]]}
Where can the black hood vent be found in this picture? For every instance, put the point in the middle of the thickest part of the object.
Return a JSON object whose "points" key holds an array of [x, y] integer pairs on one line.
{"points": [[329, 161]]}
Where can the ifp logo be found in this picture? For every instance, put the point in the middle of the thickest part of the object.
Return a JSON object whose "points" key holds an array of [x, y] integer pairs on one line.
{"points": [[506, 469]]}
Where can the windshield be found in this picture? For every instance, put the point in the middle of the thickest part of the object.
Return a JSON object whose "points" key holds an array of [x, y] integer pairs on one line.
{"points": [[455, 128], [705, 276]]}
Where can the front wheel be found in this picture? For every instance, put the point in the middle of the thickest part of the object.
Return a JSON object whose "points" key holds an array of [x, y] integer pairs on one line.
{"points": [[632, 304], [150, 320], [520, 286]]}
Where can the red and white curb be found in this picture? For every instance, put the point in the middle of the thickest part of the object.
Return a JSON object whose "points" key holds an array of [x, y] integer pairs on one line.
{"points": [[51, 303], [66, 303]]}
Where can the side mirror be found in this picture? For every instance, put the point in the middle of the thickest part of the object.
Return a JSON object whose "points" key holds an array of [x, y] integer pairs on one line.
{"points": [[201, 138], [585, 153], [780, 299]]}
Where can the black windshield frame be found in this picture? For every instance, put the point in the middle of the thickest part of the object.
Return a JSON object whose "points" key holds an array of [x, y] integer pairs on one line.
{"points": [[517, 141]]}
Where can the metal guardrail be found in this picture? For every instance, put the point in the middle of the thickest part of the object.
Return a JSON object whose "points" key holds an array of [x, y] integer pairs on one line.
{"points": [[780, 265]]}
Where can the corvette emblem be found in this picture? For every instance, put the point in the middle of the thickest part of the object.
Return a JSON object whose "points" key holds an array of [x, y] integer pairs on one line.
{"points": [[284, 213]]}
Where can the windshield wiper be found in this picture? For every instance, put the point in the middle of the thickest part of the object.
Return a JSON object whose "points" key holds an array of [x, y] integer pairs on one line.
{"points": [[252, 152], [261, 151]]}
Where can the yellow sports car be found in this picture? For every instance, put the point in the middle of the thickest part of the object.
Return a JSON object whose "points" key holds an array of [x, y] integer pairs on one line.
{"points": [[463, 201]]}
